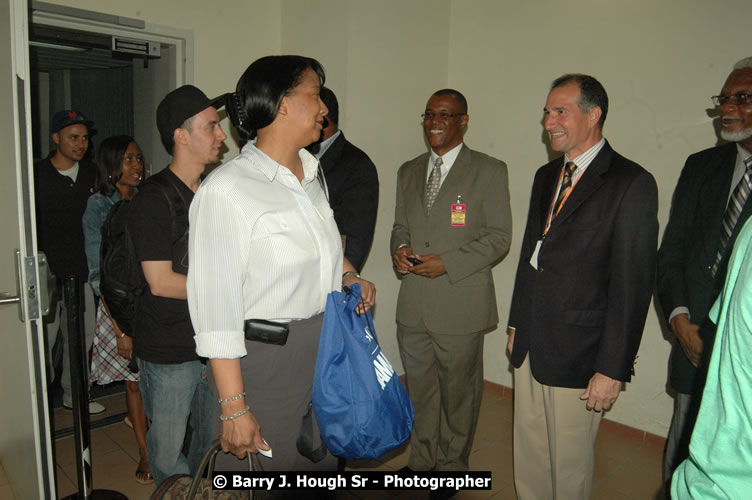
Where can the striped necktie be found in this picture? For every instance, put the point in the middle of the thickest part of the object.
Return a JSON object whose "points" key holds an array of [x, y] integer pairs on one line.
{"points": [[566, 186], [434, 183], [733, 211]]}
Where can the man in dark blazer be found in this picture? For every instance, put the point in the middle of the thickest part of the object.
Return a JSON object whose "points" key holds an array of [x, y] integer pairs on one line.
{"points": [[692, 261], [452, 223], [353, 184], [582, 291]]}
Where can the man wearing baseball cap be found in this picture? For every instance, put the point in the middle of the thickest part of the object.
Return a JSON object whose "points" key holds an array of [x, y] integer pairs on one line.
{"points": [[63, 182], [173, 378]]}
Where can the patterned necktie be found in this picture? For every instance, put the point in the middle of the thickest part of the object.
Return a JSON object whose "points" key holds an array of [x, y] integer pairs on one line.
{"points": [[434, 183], [566, 185], [734, 209]]}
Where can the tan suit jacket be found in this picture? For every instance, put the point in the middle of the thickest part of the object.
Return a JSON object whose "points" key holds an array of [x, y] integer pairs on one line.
{"points": [[463, 300]]}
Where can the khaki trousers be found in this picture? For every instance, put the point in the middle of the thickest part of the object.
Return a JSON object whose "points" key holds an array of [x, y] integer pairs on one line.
{"points": [[554, 438], [445, 383]]}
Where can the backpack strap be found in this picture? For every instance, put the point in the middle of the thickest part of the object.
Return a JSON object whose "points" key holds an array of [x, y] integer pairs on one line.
{"points": [[176, 202], [179, 216]]}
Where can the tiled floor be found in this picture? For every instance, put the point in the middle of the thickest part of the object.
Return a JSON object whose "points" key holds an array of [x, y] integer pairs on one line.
{"points": [[627, 467]]}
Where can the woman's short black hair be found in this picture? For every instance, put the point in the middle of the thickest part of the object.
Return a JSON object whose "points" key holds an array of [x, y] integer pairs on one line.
{"points": [[262, 86], [110, 163]]}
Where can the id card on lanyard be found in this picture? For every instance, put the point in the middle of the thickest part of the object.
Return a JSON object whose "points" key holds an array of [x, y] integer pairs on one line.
{"points": [[459, 212], [551, 217]]}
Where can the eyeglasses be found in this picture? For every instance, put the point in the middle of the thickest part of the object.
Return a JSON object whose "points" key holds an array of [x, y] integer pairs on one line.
{"points": [[736, 99], [428, 115]]}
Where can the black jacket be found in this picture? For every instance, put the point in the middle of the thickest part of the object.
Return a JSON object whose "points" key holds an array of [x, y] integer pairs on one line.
{"points": [[583, 311], [689, 247], [60, 206], [353, 195]]}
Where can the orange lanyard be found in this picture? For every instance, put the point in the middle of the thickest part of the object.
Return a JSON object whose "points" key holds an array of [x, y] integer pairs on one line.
{"points": [[551, 215]]}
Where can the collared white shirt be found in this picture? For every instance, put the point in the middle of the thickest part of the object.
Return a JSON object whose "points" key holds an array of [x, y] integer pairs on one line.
{"points": [[261, 245], [325, 144], [448, 160]]}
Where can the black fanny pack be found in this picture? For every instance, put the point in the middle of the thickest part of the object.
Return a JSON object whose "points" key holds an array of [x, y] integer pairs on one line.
{"points": [[268, 332]]}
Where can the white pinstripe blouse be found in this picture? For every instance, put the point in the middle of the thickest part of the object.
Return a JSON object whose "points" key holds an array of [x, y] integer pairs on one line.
{"points": [[262, 245]]}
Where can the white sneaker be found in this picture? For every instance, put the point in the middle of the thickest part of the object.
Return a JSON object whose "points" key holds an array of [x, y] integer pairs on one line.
{"points": [[94, 408]]}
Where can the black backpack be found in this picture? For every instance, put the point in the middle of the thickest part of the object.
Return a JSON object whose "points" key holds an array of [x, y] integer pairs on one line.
{"points": [[122, 279]]}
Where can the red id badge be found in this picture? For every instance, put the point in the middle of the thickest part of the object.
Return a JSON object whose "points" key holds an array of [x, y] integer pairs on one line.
{"points": [[459, 212]]}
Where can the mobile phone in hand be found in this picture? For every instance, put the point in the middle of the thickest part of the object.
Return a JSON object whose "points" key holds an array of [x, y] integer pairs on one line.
{"points": [[415, 261]]}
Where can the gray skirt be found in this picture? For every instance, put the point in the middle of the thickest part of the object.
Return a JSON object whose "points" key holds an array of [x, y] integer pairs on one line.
{"points": [[278, 381]]}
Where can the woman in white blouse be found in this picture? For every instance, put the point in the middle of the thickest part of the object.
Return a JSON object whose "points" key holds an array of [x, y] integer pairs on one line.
{"points": [[264, 245]]}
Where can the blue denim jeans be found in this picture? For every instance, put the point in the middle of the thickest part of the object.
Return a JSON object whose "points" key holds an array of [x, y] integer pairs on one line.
{"points": [[176, 395]]}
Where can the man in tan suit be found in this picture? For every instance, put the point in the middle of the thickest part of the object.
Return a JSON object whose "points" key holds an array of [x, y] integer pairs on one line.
{"points": [[452, 224]]}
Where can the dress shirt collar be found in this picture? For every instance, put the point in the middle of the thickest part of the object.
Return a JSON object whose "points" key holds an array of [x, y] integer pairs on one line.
{"points": [[741, 153], [448, 160], [270, 168], [583, 161], [586, 158], [739, 169], [324, 146]]}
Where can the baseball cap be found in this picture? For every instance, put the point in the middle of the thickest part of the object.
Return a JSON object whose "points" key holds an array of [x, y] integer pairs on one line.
{"points": [[66, 118], [179, 105]]}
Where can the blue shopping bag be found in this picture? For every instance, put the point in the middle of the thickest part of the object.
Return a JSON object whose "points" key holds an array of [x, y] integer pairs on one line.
{"points": [[361, 406]]}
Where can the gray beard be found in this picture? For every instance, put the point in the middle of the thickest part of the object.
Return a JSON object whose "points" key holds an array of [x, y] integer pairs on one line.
{"points": [[738, 136]]}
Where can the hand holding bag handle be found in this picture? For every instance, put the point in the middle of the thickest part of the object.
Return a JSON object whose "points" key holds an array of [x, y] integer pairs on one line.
{"points": [[207, 465], [304, 443]]}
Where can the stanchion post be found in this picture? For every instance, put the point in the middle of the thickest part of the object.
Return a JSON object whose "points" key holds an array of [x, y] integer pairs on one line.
{"points": [[74, 303]]}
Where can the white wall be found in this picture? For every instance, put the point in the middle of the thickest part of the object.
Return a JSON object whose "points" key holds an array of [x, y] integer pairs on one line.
{"points": [[659, 61], [150, 84]]}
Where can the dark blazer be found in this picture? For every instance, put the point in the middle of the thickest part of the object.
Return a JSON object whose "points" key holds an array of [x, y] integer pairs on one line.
{"points": [[583, 310], [463, 300], [690, 244], [353, 195]]}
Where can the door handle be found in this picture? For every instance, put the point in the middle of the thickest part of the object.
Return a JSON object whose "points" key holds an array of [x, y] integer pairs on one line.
{"points": [[9, 298], [6, 298]]}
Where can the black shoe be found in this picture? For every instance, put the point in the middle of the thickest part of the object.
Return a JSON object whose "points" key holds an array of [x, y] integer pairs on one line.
{"points": [[406, 468]]}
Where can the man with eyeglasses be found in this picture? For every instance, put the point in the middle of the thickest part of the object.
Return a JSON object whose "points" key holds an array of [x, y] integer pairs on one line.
{"points": [[709, 209], [452, 223]]}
